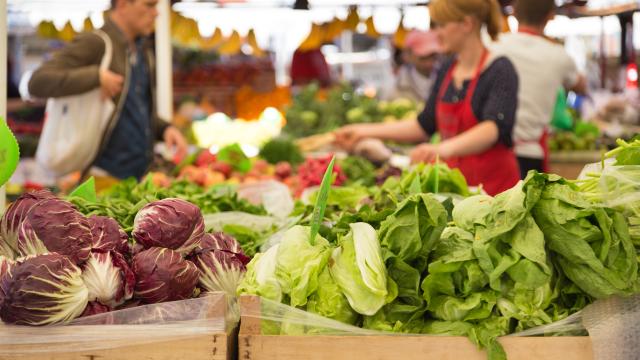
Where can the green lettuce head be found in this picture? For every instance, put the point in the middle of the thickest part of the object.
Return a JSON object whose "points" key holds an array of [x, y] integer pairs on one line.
{"points": [[299, 263], [359, 270], [260, 277]]}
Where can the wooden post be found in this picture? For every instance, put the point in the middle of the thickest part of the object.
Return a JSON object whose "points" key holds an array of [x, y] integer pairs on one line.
{"points": [[164, 73]]}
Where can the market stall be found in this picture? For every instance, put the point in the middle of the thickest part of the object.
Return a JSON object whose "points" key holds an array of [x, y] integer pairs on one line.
{"points": [[271, 239]]}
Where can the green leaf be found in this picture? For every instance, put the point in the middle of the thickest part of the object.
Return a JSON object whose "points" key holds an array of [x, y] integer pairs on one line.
{"points": [[321, 202], [436, 186], [235, 157], [86, 191], [9, 152], [416, 186]]}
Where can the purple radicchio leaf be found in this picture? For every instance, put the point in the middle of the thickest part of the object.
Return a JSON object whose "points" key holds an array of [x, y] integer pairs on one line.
{"points": [[222, 241], [6, 268], [220, 270], [163, 275], [108, 235], [54, 225], [13, 217], [43, 290], [109, 279], [170, 223], [95, 308]]}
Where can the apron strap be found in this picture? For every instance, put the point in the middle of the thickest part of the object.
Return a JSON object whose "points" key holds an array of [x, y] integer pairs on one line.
{"points": [[474, 82]]}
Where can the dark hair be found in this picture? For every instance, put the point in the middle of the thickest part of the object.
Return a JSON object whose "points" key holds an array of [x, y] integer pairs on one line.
{"points": [[533, 12]]}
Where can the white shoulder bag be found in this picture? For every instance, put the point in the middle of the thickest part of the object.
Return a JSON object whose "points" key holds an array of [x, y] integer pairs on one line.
{"points": [[75, 126]]}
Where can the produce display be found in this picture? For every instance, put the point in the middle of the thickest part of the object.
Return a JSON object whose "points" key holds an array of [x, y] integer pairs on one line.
{"points": [[583, 137], [413, 252], [310, 114], [400, 259], [280, 159], [123, 201], [56, 264]]}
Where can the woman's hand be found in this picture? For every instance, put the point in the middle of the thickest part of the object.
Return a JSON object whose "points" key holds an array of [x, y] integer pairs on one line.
{"points": [[349, 136], [428, 153]]}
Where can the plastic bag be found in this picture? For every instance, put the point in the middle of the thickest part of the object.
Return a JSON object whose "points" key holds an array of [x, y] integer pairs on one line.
{"points": [[620, 186], [614, 327], [133, 326], [273, 195]]}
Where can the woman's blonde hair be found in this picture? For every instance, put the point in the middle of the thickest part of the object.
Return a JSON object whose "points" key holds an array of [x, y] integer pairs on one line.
{"points": [[486, 11]]}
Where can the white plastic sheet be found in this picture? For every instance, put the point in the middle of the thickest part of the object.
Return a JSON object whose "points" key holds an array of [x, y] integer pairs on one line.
{"points": [[138, 325]]}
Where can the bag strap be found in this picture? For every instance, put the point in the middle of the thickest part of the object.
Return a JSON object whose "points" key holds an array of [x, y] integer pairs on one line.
{"points": [[108, 49], [105, 63]]}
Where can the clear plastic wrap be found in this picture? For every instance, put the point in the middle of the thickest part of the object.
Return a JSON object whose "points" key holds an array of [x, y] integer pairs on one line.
{"points": [[620, 186], [279, 319], [614, 327], [134, 326], [612, 324], [273, 195]]}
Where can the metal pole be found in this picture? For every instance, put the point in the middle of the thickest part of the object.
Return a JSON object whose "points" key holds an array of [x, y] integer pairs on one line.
{"points": [[603, 56], [3, 80], [164, 64]]}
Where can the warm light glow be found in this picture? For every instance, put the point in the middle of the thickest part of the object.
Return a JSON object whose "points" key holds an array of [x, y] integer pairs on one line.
{"points": [[632, 74]]}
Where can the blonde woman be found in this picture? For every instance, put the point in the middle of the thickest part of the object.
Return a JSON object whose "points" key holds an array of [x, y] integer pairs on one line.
{"points": [[472, 106]]}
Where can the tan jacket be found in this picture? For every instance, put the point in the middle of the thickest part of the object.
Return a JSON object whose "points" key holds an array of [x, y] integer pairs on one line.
{"points": [[75, 70]]}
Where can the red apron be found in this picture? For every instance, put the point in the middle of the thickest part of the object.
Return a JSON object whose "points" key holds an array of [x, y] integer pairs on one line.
{"points": [[496, 169], [543, 141]]}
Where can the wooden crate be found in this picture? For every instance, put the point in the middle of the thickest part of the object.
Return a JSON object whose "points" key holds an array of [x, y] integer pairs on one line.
{"points": [[253, 346], [214, 346]]}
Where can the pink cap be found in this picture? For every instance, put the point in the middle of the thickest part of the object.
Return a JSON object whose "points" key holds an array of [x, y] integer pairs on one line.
{"points": [[422, 43]]}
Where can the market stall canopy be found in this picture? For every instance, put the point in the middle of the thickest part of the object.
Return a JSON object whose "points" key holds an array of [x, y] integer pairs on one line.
{"points": [[598, 8]]}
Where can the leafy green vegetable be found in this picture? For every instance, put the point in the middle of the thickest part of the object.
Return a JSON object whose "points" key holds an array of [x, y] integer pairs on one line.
{"points": [[358, 269], [359, 171], [321, 201], [472, 211], [344, 197], [299, 264], [260, 278], [249, 239], [234, 156], [123, 201], [626, 153], [281, 149], [86, 190], [531, 256], [593, 244], [413, 229], [328, 300]]}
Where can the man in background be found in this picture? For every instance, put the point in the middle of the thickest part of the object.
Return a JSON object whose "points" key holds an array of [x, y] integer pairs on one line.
{"points": [[544, 67], [416, 75], [129, 81]]}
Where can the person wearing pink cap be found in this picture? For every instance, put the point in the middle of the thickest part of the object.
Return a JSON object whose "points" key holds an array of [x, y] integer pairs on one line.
{"points": [[416, 76]]}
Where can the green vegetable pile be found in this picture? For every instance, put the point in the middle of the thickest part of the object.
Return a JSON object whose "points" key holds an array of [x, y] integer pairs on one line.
{"points": [[123, 201], [618, 186], [309, 115], [359, 171], [583, 137], [281, 149], [485, 268]]}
